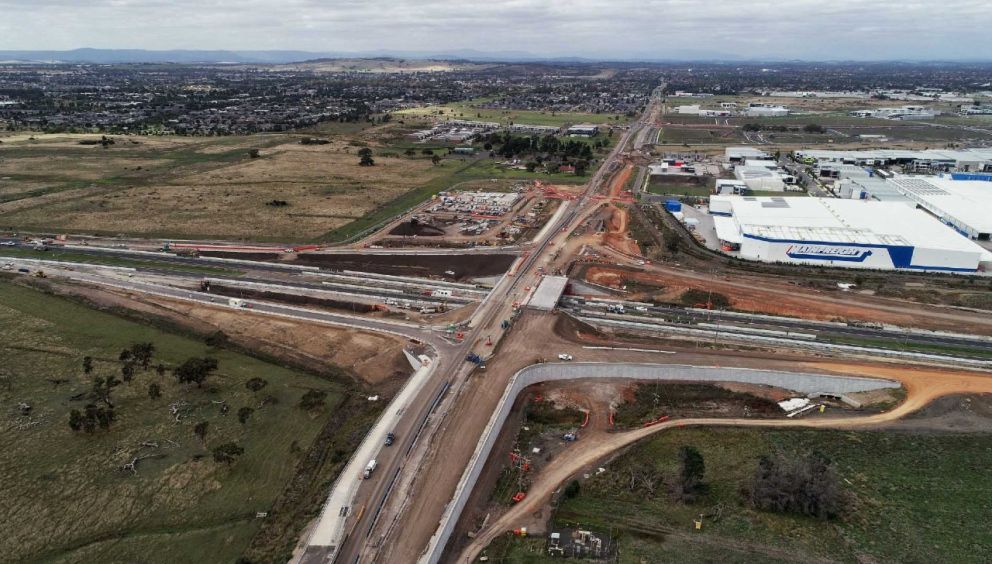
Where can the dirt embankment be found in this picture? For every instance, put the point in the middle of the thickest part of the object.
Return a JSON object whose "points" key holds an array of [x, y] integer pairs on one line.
{"points": [[465, 266], [369, 359], [411, 228], [776, 298], [264, 257], [617, 236]]}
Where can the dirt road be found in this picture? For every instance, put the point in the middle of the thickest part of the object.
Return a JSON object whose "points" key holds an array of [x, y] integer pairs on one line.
{"points": [[922, 386]]}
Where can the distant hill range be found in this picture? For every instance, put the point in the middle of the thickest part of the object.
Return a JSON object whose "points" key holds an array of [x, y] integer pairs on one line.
{"points": [[190, 56], [182, 56]]}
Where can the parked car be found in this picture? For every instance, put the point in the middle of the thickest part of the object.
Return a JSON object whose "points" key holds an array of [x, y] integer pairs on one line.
{"points": [[390, 439], [564, 356]]}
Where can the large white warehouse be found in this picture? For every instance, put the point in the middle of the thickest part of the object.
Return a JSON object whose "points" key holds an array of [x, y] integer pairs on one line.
{"points": [[965, 205], [844, 233]]}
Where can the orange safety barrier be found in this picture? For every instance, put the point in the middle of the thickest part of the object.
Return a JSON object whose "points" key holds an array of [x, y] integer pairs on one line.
{"points": [[661, 419]]}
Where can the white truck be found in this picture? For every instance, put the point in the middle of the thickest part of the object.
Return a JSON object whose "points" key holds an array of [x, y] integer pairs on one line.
{"points": [[236, 302], [441, 294], [369, 468]]}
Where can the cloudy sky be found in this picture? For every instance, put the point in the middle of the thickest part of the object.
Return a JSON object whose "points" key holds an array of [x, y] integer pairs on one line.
{"points": [[801, 29]]}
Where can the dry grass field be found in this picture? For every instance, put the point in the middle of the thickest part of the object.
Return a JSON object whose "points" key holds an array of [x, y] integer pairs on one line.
{"points": [[194, 187]]}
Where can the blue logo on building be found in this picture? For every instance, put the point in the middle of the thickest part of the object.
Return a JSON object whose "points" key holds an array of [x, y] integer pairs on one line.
{"points": [[828, 252]]}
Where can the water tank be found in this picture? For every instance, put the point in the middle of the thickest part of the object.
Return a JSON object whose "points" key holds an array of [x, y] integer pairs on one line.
{"points": [[673, 205]]}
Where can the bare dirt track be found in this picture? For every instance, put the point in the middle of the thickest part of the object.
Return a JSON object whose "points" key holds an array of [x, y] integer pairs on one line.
{"points": [[923, 385], [778, 298]]}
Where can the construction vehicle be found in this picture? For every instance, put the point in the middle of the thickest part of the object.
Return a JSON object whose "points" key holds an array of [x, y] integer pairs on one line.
{"points": [[369, 469], [474, 357]]}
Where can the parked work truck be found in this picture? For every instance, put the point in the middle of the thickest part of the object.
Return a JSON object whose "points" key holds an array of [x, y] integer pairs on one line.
{"points": [[236, 302], [369, 468]]}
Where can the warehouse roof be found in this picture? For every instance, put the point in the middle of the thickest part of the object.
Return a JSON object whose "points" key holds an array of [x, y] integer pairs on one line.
{"points": [[966, 155], [965, 201], [842, 221], [548, 292], [727, 230]]}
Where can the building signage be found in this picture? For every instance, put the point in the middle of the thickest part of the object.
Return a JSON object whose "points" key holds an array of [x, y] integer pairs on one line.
{"points": [[828, 252]]}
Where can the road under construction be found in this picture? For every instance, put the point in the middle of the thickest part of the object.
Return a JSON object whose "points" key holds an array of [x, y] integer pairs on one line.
{"points": [[408, 508]]}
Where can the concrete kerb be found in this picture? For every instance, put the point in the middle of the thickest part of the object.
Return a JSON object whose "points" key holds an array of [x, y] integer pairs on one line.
{"points": [[801, 382]]}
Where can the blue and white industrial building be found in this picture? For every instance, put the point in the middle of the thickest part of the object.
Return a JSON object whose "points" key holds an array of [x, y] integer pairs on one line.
{"points": [[844, 233]]}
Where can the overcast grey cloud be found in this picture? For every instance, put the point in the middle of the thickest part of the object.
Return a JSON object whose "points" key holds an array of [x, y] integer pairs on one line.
{"points": [[655, 29]]}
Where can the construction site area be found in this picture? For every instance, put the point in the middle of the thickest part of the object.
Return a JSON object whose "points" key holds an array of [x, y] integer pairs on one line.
{"points": [[466, 219]]}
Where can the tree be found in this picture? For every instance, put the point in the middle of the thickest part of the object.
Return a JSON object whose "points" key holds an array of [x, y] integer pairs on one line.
{"points": [[127, 372], [87, 364], [435, 159], [691, 471], [365, 152], [427, 152], [227, 453], [253, 153], [142, 353], [410, 152], [75, 420], [256, 384], [572, 489], [154, 391], [90, 418], [366, 161], [195, 370], [102, 387], [531, 166], [807, 485], [200, 430], [160, 370], [313, 399], [244, 414], [125, 356]]}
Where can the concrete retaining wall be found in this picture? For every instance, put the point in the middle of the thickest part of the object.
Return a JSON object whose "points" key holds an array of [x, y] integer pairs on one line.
{"points": [[800, 382]]}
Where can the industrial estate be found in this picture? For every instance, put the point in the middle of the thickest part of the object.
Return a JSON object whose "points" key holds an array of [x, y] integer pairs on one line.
{"points": [[400, 310]]}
